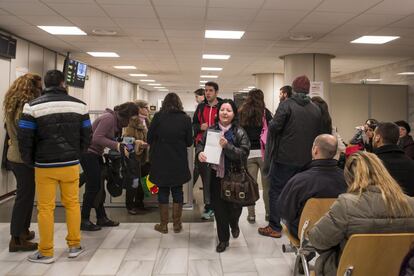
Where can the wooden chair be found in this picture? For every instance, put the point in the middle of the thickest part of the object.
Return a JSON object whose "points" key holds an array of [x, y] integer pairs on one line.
{"points": [[374, 254], [314, 209]]}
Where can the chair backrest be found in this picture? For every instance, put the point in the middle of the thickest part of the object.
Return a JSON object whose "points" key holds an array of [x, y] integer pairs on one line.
{"points": [[314, 209], [374, 254]]}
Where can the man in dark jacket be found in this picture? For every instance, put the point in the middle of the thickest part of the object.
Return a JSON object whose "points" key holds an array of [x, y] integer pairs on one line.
{"points": [[294, 127], [398, 164], [54, 130], [203, 118], [321, 178]]}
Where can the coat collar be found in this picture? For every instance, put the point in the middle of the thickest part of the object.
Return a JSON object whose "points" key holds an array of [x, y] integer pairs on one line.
{"points": [[388, 149], [55, 90]]}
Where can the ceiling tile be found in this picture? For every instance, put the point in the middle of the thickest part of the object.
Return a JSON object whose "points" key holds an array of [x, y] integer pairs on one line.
{"points": [[299, 5], [346, 6], [225, 25], [10, 20], [70, 9], [46, 20], [178, 12], [138, 23], [280, 16], [125, 2], [327, 18], [185, 34], [32, 8], [406, 22], [132, 11], [186, 3], [403, 7], [375, 20], [92, 21], [236, 14], [236, 3], [182, 24]]}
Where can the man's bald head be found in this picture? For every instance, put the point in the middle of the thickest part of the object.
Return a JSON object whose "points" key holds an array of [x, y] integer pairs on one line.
{"points": [[324, 147]]}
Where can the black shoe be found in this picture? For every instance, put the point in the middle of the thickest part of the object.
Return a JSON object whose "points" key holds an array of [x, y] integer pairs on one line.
{"points": [[106, 222], [235, 232], [221, 247], [87, 225]]}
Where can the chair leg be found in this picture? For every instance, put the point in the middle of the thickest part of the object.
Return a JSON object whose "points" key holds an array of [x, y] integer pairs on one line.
{"points": [[305, 265]]}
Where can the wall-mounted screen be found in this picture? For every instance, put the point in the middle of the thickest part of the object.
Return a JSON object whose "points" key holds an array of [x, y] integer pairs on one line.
{"points": [[75, 73]]}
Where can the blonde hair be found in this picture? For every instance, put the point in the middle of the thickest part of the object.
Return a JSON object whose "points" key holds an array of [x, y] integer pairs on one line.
{"points": [[23, 90], [141, 103], [363, 169]]}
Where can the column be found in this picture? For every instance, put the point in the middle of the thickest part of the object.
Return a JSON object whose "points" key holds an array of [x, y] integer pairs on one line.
{"points": [[317, 67], [270, 84]]}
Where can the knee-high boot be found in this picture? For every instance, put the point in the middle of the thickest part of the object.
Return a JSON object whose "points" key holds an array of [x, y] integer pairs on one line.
{"points": [[163, 226], [177, 212]]}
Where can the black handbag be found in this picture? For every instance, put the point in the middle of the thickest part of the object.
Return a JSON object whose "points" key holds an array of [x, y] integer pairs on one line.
{"points": [[238, 186]]}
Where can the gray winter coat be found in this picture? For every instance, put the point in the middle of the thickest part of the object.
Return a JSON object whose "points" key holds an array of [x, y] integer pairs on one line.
{"points": [[353, 214]]}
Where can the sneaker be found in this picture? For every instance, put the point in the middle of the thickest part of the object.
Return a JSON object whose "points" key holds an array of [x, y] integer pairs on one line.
{"points": [[208, 214], [269, 232], [75, 251], [39, 258]]}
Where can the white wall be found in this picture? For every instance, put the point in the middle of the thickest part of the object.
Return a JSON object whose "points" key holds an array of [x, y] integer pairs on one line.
{"points": [[101, 89]]}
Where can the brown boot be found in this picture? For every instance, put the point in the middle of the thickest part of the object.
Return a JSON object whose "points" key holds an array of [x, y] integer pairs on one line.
{"points": [[177, 212], [20, 244], [28, 235], [163, 226]]}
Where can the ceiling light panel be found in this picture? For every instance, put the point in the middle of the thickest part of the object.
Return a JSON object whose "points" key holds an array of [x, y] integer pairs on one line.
{"points": [[211, 69], [406, 73], [209, 76], [62, 30], [147, 80], [223, 34], [209, 56], [370, 39], [103, 54], [154, 84], [138, 75]]}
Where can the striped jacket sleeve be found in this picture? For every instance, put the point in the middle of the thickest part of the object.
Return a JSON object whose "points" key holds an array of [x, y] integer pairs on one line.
{"points": [[86, 131], [26, 134]]}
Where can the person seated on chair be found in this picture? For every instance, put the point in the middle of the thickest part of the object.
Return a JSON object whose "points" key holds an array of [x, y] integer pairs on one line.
{"points": [[398, 164], [374, 203], [321, 178]]}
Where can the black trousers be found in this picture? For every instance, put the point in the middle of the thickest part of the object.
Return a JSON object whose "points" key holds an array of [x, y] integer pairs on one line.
{"points": [[227, 214], [94, 196], [23, 204], [176, 193], [134, 197]]}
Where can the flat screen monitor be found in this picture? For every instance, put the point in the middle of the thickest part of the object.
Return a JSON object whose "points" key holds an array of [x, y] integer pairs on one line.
{"points": [[75, 73]]}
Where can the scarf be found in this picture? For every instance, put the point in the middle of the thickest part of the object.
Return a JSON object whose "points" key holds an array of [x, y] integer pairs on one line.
{"points": [[228, 134], [143, 120]]}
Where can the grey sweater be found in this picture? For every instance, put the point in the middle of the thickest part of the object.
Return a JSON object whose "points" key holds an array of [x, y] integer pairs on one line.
{"points": [[104, 128]]}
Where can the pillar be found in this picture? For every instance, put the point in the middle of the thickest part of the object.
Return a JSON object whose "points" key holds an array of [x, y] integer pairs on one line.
{"points": [[270, 84], [317, 67]]}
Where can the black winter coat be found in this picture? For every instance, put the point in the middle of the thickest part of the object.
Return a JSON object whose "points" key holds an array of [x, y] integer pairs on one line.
{"points": [[169, 135], [233, 154], [294, 127], [54, 129], [399, 165], [407, 144], [320, 179]]}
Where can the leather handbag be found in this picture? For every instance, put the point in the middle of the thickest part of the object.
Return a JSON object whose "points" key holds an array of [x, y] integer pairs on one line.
{"points": [[239, 187]]}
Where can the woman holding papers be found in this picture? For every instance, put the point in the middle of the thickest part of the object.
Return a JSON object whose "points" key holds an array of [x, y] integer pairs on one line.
{"points": [[169, 135], [232, 146]]}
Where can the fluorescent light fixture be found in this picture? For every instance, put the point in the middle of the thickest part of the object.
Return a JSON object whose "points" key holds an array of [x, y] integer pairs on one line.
{"points": [[209, 76], [223, 34], [203, 81], [201, 85], [251, 87], [154, 84], [103, 54], [372, 80], [208, 56], [138, 75], [125, 67], [159, 87], [242, 91], [62, 30], [166, 90], [211, 69], [372, 39], [406, 73], [147, 80]]}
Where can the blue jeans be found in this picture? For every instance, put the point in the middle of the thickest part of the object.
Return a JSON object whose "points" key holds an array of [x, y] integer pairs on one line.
{"points": [[279, 175], [176, 192]]}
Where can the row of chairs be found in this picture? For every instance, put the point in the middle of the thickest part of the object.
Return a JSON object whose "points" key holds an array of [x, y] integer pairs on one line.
{"points": [[364, 254]]}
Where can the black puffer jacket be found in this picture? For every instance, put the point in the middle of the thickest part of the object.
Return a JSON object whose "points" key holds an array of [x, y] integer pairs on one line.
{"points": [[293, 128], [54, 129]]}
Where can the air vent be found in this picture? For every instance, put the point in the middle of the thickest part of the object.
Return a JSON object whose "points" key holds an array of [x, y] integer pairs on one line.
{"points": [[102, 32]]}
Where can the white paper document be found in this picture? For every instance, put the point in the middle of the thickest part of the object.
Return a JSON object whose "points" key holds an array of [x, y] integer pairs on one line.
{"points": [[212, 148]]}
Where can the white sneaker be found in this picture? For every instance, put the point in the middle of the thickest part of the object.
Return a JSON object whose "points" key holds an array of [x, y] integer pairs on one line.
{"points": [[39, 258], [75, 251]]}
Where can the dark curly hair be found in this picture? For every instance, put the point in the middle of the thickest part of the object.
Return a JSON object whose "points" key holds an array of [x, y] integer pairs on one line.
{"points": [[125, 111], [171, 103], [251, 111]]}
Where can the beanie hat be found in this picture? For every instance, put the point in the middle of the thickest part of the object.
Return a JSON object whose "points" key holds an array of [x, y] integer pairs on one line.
{"points": [[301, 84], [404, 124]]}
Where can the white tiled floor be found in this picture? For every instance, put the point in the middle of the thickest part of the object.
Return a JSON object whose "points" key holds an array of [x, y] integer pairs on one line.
{"points": [[136, 249]]}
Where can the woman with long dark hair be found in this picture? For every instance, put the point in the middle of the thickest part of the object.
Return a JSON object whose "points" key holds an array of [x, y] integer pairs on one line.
{"points": [[236, 147], [106, 128], [23, 90], [169, 135], [254, 116]]}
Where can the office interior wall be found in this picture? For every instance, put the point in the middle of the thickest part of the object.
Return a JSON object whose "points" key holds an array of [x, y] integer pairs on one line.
{"points": [[352, 104]]}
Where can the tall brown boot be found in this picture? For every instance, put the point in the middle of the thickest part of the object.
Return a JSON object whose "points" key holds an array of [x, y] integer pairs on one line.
{"points": [[163, 226], [177, 213]]}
